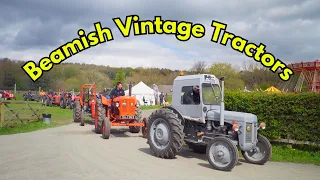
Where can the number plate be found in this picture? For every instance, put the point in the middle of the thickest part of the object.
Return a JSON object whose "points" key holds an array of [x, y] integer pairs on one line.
{"points": [[127, 117]]}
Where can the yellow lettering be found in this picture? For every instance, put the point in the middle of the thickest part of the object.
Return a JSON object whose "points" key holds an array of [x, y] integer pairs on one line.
{"points": [[93, 39], [226, 37], [102, 32], [123, 28], [33, 71], [158, 24], [238, 44], [184, 31], [75, 46], [248, 48], [147, 27], [217, 30], [56, 56], [277, 65], [45, 64], [260, 50], [170, 27], [198, 31]]}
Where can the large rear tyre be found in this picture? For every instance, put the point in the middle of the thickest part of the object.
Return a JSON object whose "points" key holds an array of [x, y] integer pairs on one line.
{"points": [[165, 133], [261, 153], [222, 154], [101, 117], [138, 116], [106, 128], [77, 112]]}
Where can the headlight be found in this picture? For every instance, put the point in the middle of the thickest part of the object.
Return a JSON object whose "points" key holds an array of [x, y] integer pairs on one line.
{"points": [[235, 127], [124, 104], [117, 104], [137, 105], [262, 125]]}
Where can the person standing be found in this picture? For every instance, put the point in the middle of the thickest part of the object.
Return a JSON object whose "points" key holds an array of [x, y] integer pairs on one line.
{"points": [[161, 96], [166, 100]]}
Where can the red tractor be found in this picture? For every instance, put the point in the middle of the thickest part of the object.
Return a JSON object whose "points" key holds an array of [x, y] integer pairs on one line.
{"points": [[7, 95], [120, 111]]}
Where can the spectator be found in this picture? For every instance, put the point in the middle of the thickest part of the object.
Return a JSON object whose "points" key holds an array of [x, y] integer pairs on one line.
{"points": [[161, 96], [166, 100]]}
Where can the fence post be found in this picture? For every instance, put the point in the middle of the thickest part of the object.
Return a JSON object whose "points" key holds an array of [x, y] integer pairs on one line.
{"points": [[1, 114]]}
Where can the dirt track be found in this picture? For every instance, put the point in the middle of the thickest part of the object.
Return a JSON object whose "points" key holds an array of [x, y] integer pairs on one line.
{"points": [[74, 152]]}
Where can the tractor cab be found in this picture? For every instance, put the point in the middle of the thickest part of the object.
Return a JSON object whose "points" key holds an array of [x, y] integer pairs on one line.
{"points": [[193, 95]]}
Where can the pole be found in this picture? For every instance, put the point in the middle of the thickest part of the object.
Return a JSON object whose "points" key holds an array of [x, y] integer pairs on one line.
{"points": [[130, 88], [15, 88]]}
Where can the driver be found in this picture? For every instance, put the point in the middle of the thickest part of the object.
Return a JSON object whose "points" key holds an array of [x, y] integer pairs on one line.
{"points": [[192, 96], [117, 91]]}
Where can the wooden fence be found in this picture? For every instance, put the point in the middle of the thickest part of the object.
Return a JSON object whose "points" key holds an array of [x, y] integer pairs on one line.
{"points": [[14, 113]]}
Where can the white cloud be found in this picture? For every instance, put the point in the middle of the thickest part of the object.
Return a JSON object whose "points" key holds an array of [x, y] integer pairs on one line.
{"points": [[288, 28]]}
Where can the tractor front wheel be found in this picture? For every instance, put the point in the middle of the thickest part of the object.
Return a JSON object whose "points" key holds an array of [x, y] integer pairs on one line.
{"points": [[106, 128], [77, 112], [261, 153], [138, 116], [165, 133], [222, 153], [101, 116]]}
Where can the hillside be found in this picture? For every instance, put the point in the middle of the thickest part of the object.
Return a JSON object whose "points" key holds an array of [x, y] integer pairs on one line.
{"points": [[72, 76]]}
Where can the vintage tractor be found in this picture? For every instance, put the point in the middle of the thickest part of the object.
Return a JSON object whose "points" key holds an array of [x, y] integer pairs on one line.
{"points": [[30, 96], [49, 99], [7, 95], [85, 104], [197, 117], [119, 111]]}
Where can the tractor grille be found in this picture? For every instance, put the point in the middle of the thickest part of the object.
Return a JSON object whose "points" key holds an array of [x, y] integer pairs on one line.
{"points": [[249, 132], [127, 107]]}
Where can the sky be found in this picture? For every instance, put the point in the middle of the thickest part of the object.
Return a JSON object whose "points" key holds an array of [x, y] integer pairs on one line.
{"points": [[31, 29]]}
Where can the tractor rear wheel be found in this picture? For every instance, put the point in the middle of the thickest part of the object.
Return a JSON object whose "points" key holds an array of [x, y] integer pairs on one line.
{"points": [[138, 116], [101, 116], [222, 153], [197, 148], [77, 112], [261, 153], [165, 133], [106, 128]]}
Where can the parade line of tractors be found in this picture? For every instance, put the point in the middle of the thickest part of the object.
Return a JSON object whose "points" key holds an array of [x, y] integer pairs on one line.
{"points": [[196, 117]]}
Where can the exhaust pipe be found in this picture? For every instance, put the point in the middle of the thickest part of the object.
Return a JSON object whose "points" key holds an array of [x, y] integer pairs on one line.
{"points": [[130, 88], [222, 103]]}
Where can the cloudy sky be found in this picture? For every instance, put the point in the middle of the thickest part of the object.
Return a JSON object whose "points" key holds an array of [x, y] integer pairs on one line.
{"points": [[31, 29]]}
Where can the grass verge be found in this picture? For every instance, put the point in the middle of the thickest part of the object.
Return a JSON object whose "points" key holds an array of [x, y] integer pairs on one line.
{"points": [[59, 117]]}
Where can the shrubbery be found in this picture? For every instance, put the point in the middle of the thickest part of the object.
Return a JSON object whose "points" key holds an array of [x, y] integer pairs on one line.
{"points": [[288, 116]]}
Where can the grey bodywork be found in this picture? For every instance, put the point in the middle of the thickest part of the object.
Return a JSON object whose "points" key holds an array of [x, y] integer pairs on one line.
{"points": [[205, 114]]}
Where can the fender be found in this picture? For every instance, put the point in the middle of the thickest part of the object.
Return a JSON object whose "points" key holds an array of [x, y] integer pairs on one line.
{"points": [[177, 112]]}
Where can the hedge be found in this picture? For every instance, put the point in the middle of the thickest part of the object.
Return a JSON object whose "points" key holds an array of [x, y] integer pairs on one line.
{"points": [[287, 116]]}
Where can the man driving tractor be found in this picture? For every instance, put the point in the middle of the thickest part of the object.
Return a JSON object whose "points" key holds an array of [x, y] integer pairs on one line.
{"points": [[192, 96], [117, 91]]}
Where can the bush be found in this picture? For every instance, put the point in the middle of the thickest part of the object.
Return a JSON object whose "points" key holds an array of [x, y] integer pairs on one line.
{"points": [[288, 116]]}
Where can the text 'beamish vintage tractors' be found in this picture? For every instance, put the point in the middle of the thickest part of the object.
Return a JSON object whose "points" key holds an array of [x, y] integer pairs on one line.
{"points": [[197, 116], [119, 111]]}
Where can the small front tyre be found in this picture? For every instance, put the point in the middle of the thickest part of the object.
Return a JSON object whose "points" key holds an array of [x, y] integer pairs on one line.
{"points": [[106, 128], [222, 154], [261, 153]]}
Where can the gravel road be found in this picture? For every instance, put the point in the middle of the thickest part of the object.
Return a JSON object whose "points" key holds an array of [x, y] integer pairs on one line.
{"points": [[74, 152]]}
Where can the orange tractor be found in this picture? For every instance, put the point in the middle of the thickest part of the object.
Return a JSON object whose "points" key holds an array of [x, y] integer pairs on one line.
{"points": [[120, 111]]}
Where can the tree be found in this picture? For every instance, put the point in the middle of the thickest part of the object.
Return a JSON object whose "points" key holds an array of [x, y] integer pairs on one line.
{"points": [[120, 77], [232, 77], [199, 67]]}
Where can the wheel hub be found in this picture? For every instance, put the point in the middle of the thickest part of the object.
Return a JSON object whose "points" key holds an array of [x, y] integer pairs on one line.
{"points": [[162, 134]]}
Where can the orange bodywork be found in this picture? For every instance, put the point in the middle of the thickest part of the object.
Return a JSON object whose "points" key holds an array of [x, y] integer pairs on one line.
{"points": [[126, 111]]}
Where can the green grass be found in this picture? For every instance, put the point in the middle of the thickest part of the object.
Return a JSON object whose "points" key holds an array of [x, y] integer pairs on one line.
{"points": [[296, 153], [59, 117]]}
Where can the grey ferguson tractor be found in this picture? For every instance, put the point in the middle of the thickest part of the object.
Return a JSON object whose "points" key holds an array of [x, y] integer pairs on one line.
{"points": [[197, 117]]}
